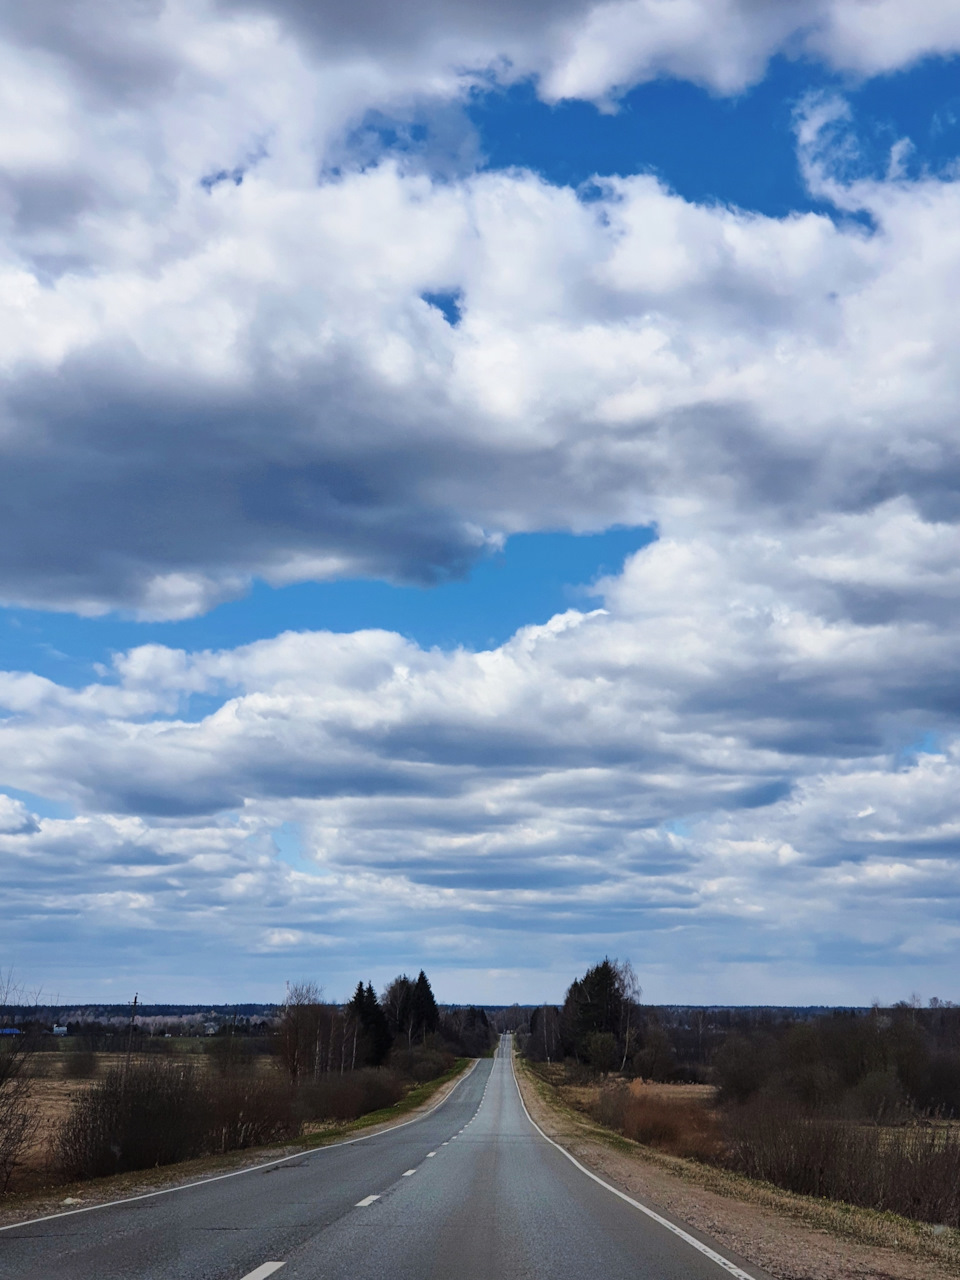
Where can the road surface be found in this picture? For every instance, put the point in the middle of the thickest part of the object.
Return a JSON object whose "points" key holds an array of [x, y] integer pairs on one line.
{"points": [[470, 1191]]}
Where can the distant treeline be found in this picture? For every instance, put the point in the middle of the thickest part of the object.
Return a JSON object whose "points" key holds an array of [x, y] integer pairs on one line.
{"points": [[874, 1061], [404, 1026]]}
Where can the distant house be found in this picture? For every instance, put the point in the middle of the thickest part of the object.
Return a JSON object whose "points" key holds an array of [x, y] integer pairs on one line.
{"points": [[59, 1031], [10, 1031]]}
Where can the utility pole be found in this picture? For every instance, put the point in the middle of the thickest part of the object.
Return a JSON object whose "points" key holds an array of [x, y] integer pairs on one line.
{"points": [[133, 1020]]}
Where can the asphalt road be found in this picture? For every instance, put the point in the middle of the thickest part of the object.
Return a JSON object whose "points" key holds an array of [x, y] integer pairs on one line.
{"points": [[471, 1191]]}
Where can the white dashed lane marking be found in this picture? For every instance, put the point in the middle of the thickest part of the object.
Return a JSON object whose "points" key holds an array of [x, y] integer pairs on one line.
{"points": [[362, 1204], [266, 1269], [410, 1173], [430, 1154]]}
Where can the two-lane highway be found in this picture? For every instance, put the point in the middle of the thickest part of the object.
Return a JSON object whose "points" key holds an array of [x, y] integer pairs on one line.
{"points": [[470, 1191]]}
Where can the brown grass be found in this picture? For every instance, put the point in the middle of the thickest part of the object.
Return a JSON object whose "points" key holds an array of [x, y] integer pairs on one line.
{"points": [[912, 1170], [674, 1120]]}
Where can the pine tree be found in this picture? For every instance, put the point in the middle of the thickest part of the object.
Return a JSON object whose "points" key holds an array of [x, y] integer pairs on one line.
{"points": [[426, 1015]]}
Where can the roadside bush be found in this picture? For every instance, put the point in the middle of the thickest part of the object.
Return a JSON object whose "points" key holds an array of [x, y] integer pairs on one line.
{"points": [[154, 1112], [577, 1073], [139, 1115], [911, 1170], [347, 1097], [421, 1064], [18, 1116], [680, 1126], [242, 1111]]}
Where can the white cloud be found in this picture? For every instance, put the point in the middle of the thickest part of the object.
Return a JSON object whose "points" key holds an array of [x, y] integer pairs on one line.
{"points": [[15, 817], [727, 740], [303, 412], [206, 381]]}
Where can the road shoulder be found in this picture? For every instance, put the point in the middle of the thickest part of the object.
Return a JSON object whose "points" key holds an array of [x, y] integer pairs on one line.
{"points": [[791, 1237]]}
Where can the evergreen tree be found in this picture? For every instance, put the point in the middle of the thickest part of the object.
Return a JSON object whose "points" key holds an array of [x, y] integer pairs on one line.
{"points": [[599, 1013], [376, 1027], [397, 1004], [370, 1026], [426, 1015]]}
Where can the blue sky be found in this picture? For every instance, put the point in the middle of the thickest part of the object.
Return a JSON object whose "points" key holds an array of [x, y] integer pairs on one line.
{"points": [[531, 578], [735, 149], [511, 518]]}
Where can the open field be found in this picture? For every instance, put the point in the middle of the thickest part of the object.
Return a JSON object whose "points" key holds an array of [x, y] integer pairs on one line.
{"points": [[54, 1088]]}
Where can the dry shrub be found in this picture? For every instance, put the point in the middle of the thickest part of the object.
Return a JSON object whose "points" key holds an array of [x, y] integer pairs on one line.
{"points": [[155, 1112], [18, 1116], [912, 1170], [347, 1097], [229, 1054], [422, 1063], [137, 1116], [681, 1125], [243, 1110]]}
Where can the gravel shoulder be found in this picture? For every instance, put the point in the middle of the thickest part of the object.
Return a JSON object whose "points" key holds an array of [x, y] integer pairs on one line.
{"points": [[792, 1237]]}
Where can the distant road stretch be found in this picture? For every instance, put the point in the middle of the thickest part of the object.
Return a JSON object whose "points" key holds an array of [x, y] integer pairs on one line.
{"points": [[471, 1191]]}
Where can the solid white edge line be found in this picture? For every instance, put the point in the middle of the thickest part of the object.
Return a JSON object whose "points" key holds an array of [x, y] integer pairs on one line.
{"points": [[718, 1258], [236, 1173], [262, 1272]]}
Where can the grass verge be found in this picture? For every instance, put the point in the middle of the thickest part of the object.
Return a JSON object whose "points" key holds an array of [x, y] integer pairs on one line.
{"points": [[863, 1226]]}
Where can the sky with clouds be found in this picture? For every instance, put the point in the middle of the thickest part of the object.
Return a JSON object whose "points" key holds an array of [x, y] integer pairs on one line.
{"points": [[480, 489]]}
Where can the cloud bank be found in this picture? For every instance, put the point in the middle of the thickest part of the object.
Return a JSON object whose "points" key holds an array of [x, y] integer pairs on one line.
{"points": [[723, 768], [221, 362]]}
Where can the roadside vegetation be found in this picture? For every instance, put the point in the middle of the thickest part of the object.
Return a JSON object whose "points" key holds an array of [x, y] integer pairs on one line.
{"points": [[861, 1107], [90, 1103]]}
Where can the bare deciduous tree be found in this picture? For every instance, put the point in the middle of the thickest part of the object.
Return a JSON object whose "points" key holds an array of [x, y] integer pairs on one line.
{"points": [[18, 1118], [301, 1030]]}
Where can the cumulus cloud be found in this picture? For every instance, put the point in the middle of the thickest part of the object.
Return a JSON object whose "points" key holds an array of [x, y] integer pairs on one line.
{"points": [[725, 739], [281, 400], [15, 817], [583, 49], [218, 358]]}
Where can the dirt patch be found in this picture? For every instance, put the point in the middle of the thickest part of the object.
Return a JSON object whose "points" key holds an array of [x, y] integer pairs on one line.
{"points": [[51, 1101], [790, 1237]]}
